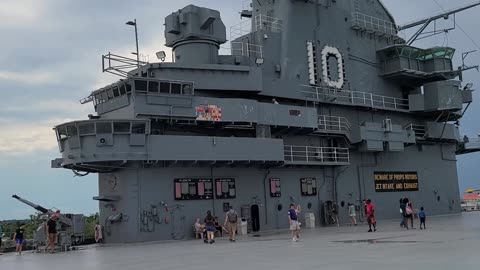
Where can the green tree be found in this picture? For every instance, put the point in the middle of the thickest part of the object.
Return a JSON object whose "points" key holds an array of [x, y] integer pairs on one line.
{"points": [[90, 222]]}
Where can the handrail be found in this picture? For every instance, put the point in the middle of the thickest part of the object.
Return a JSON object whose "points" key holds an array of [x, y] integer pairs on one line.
{"points": [[374, 24], [260, 22], [356, 98], [247, 49], [315, 155], [419, 130], [264, 22], [333, 123], [473, 143]]}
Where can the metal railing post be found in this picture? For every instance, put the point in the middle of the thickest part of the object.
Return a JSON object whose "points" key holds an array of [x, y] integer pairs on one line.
{"points": [[335, 154], [395, 103], [371, 99], [291, 153], [321, 153], [306, 152]]}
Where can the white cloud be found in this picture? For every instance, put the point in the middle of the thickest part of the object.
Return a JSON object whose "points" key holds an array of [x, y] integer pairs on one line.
{"points": [[17, 13], [21, 136], [33, 77], [63, 107], [26, 138]]}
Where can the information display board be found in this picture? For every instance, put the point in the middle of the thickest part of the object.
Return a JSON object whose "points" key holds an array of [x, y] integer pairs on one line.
{"points": [[225, 188], [193, 189], [308, 186], [395, 181], [275, 189]]}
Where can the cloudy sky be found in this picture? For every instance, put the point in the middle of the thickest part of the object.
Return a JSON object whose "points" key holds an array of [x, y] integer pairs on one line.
{"points": [[50, 57]]}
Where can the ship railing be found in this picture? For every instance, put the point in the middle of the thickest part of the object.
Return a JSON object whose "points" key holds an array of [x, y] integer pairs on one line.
{"points": [[120, 65], [312, 154], [333, 123], [268, 23], [247, 49], [241, 29], [259, 22], [367, 22], [357, 98], [472, 143], [419, 130]]}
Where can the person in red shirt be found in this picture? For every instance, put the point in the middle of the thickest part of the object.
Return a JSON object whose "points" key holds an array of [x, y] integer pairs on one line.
{"points": [[370, 211]]}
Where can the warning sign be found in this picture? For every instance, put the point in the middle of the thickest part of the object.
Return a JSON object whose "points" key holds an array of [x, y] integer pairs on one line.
{"points": [[395, 181]]}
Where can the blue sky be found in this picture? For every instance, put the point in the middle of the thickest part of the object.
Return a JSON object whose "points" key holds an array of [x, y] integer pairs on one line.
{"points": [[50, 57]]}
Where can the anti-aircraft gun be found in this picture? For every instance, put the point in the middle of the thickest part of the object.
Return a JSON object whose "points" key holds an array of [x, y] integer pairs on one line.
{"points": [[70, 227]]}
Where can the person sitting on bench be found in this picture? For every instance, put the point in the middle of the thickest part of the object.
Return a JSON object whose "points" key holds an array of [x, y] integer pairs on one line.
{"points": [[218, 227], [199, 229]]}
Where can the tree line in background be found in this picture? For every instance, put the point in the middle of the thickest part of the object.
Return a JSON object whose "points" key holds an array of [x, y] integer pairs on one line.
{"points": [[30, 226]]}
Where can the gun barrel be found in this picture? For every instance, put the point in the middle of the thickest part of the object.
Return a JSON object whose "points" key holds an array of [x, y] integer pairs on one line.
{"points": [[35, 206]]}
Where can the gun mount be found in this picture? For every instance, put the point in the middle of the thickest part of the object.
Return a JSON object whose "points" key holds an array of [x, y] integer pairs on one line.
{"points": [[70, 227], [61, 217]]}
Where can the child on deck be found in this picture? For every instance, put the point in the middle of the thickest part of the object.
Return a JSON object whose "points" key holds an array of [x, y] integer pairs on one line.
{"points": [[422, 217]]}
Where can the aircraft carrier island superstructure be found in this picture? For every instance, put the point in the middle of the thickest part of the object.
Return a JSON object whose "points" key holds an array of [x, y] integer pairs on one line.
{"points": [[319, 103]]}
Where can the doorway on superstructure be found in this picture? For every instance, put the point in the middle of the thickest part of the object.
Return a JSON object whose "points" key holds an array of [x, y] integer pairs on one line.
{"points": [[255, 217]]}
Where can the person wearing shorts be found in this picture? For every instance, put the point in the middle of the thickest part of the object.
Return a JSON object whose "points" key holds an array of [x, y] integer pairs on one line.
{"points": [[352, 212], [19, 239], [293, 221], [210, 226], [52, 233]]}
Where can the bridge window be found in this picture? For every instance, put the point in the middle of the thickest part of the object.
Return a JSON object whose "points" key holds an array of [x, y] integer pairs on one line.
{"points": [[141, 85], [104, 127], [116, 92], [138, 128], [187, 89], [129, 87], [121, 127], [153, 87], [104, 96], [72, 130], [86, 129], [165, 87], [98, 99], [62, 133], [176, 89], [110, 93], [122, 89]]}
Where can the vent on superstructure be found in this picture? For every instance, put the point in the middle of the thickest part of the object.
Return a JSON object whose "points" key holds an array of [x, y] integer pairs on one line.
{"points": [[312, 63]]}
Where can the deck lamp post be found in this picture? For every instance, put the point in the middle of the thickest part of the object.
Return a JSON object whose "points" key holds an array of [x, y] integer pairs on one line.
{"points": [[134, 23]]}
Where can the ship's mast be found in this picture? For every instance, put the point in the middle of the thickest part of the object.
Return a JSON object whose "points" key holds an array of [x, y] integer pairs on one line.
{"points": [[426, 22]]}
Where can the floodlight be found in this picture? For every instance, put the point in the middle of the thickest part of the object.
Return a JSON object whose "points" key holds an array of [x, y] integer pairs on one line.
{"points": [[161, 55]]}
